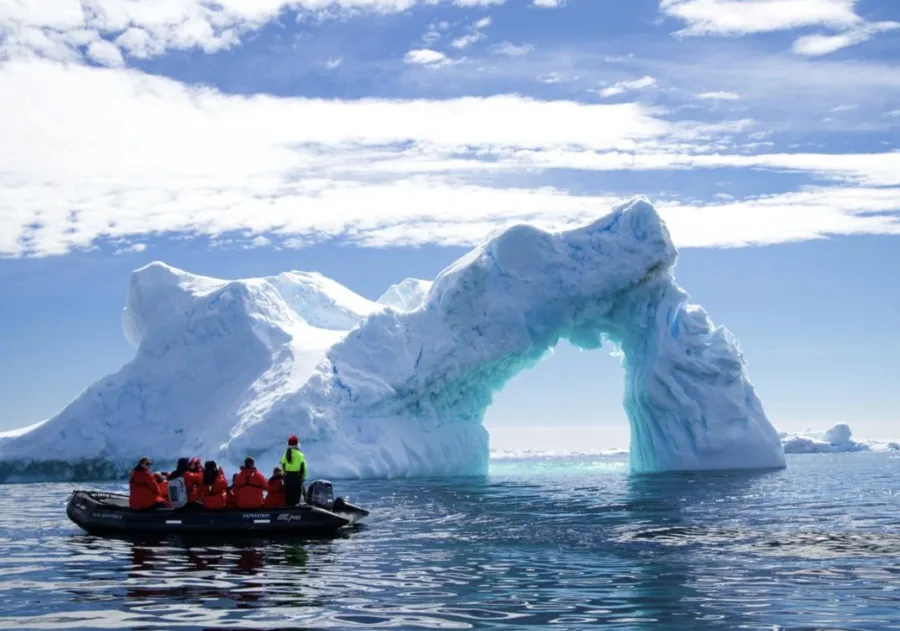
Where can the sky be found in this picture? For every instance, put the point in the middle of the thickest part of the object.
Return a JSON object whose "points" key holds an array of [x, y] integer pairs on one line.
{"points": [[375, 140]]}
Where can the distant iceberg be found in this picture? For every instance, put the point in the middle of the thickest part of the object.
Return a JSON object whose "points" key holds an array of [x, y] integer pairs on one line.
{"points": [[399, 387], [835, 440], [528, 454]]}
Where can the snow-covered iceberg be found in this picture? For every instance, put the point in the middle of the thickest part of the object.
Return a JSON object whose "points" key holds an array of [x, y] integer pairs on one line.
{"points": [[838, 439], [407, 295], [15, 433], [224, 369]]}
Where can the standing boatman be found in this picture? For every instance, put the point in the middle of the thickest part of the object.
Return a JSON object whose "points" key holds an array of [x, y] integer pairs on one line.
{"points": [[294, 466]]}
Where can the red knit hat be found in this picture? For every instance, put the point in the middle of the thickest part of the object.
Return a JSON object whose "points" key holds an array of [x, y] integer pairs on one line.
{"points": [[293, 440]]}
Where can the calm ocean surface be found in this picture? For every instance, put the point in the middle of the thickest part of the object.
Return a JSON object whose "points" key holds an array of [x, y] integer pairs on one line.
{"points": [[567, 543]]}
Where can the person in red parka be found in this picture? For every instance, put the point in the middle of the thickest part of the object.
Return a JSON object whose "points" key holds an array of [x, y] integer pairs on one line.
{"points": [[143, 490], [163, 482], [215, 485], [230, 500], [193, 479], [250, 485], [275, 497]]}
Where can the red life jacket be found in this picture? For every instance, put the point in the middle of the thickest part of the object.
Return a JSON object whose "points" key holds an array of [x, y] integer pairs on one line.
{"points": [[216, 496], [193, 480], [143, 490], [275, 498], [249, 488]]}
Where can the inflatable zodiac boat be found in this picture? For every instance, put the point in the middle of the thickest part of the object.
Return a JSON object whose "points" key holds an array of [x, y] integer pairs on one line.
{"points": [[102, 513]]}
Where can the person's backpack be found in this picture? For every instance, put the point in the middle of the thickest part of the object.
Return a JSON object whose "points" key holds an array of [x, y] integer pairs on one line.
{"points": [[178, 495]]}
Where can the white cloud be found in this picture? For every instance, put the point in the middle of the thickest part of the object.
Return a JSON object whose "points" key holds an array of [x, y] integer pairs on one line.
{"points": [[818, 45], [138, 43], [436, 31], [112, 153], [552, 78], [548, 4], [56, 45], [625, 86], [872, 169], [135, 248], [739, 17], [334, 62], [467, 40], [795, 216], [425, 57], [105, 53], [141, 29], [431, 36], [475, 35], [893, 114], [462, 215], [260, 242], [742, 17], [718, 96], [513, 50], [867, 169]]}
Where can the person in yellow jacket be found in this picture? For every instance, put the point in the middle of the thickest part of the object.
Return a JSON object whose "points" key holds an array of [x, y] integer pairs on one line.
{"points": [[294, 466]]}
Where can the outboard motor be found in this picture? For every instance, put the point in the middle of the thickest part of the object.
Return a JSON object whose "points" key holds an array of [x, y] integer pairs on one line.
{"points": [[320, 493]]}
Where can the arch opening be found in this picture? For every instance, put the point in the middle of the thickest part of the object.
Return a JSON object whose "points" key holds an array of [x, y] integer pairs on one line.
{"points": [[568, 403]]}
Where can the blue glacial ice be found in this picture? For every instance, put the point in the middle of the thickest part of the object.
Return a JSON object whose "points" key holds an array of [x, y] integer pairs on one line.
{"points": [[224, 369]]}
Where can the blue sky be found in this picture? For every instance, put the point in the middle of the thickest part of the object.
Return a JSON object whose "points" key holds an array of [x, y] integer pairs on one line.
{"points": [[374, 140]]}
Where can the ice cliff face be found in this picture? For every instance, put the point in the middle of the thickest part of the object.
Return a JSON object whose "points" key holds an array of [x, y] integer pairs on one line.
{"points": [[226, 369]]}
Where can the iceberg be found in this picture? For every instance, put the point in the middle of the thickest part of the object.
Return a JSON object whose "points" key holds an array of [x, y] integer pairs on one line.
{"points": [[407, 295], [400, 387], [837, 439], [13, 433]]}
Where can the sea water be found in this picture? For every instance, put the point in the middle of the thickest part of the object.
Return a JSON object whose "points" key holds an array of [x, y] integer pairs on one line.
{"points": [[540, 542]]}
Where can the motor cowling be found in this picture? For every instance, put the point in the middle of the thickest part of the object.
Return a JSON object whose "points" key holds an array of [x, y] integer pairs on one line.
{"points": [[320, 493]]}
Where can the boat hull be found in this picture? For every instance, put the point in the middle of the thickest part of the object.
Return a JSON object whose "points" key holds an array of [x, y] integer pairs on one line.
{"points": [[108, 514]]}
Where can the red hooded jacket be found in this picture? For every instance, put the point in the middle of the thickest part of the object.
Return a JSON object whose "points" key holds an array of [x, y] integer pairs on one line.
{"points": [[248, 490], [275, 498], [143, 490], [193, 482], [216, 496], [164, 490]]}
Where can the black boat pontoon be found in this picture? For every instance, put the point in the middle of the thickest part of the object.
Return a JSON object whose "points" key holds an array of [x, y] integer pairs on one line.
{"points": [[101, 513]]}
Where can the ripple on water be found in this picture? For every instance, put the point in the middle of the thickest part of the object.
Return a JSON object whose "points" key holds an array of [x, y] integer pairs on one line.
{"points": [[569, 545]]}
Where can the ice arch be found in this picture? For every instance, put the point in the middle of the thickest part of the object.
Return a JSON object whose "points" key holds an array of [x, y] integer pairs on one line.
{"points": [[224, 369], [405, 393]]}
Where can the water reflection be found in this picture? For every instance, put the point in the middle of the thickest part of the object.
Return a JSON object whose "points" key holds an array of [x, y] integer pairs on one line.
{"points": [[242, 576], [661, 531], [691, 551]]}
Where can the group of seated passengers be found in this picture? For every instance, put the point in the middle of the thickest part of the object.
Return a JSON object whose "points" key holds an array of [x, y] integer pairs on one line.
{"points": [[193, 486]]}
